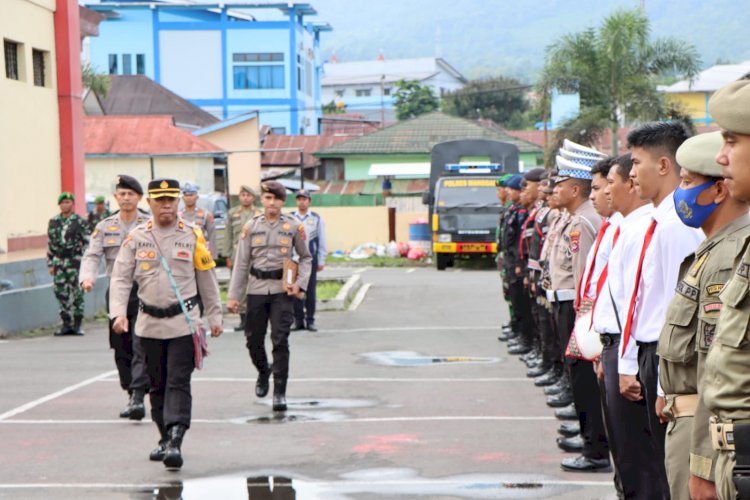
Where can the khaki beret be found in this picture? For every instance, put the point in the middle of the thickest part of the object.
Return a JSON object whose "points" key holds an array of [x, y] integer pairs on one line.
{"points": [[730, 107], [698, 154], [275, 188], [247, 189]]}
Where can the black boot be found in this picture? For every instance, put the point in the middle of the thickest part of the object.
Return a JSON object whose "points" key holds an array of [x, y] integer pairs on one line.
{"points": [[279, 395], [157, 454], [77, 326], [241, 326], [136, 410], [172, 453], [261, 385], [65, 329]]}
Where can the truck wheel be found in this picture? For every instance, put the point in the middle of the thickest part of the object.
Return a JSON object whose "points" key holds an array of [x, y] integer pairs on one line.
{"points": [[442, 261]]}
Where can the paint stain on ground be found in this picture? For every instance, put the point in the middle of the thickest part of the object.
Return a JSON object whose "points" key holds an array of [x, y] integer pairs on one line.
{"points": [[386, 445]]}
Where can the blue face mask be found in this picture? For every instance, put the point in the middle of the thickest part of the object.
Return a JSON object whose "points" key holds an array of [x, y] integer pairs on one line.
{"points": [[686, 202]]}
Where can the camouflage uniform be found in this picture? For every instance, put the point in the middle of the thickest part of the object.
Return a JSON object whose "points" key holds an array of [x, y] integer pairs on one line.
{"points": [[68, 238], [95, 218]]}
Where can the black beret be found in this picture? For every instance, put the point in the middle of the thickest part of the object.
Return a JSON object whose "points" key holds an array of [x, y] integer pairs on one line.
{"points": [[127, 182], [535, 174], [160, 188], [275, 188]]}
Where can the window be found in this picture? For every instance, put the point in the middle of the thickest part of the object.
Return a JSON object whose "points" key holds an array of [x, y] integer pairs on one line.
{"points": [[387, 91], [299, 72], [278, 130], [127, 64], [258, 76], [363, 92], [308, 78], [140, 64], [113, 64], [11, 60], [37, 58], [340, 93]]}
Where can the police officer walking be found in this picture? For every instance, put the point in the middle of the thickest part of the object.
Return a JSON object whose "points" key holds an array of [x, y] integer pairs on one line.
{"points": [[67, 235], [171, 264], [265, 243], [106, 241], [315, 229], [236, 220], [199, 217]]}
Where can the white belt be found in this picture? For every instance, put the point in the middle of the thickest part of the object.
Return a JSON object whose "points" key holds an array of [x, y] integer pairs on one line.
{"points": [[561, 295]]}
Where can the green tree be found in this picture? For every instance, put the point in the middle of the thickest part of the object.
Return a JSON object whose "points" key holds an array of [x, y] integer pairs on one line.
{"points": [[334, 108], [615, 69], [500, 99], [413, 99], [97, 83]]}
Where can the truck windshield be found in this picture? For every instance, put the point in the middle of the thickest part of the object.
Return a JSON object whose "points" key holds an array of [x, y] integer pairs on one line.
{"points": [[453, 193]]}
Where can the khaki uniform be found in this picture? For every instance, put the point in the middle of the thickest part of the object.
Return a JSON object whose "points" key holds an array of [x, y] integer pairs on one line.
{"points": [[106, 241], [683, 344], [726, 381], [236, 220], [138, 261], [204, 220], [569, 250]]}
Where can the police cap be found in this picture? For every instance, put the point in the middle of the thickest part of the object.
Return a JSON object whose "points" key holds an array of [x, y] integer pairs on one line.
{"points": [[303, 193], [190, 188], [160, 188]]}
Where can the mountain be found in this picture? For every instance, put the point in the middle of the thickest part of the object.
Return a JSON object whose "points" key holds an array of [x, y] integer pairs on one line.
{"points": [[508, 37]]}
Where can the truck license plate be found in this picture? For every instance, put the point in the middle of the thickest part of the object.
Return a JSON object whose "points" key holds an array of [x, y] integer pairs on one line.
{"points": [[474, 247]]}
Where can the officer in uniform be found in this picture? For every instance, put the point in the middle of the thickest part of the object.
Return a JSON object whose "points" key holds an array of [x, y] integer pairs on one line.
{"points": [[692, 314], [315, 229], [236, 220], [566, 263], [521, 324], [169, 260], [726, 382], [199, 217], [67, 235], [99, 213], [106, 241], [266, 242]]}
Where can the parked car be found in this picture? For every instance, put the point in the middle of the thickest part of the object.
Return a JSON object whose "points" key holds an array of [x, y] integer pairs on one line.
{"points": [[215, 203]]}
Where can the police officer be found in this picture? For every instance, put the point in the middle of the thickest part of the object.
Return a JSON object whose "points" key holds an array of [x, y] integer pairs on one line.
{"points": [[199, 217], [702, 200], [99, 213], [315, 229], [237, 218], [726, 379], [265, 243], [169, 260], [105, 242], [67, 235]]}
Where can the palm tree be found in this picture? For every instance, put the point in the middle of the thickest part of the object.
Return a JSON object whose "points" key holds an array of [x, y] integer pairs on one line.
{"points": [[615, 71]]}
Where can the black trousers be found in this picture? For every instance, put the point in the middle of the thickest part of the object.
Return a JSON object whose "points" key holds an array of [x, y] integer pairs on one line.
{"points": [[279, 309], [648, 375], [131, 367], [629, 435], [546, 332], [521, 320], [304, 309], [585, 388], [170, 364]]}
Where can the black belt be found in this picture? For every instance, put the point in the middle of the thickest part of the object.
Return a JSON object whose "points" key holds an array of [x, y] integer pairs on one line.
{"points": [[168, 312], [273, 274], [608, 339], [646, 344]]}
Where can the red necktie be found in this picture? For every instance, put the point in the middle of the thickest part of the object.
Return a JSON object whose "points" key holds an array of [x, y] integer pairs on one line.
{"points": [[605, 271], [631, 310], [588, 272]]}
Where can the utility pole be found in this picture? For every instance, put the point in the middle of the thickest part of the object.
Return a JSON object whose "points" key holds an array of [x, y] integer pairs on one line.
{"points": [[382, 101]]}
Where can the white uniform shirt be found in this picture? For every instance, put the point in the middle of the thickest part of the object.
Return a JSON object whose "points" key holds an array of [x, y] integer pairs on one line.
{"points": [[671, 243], [602, 256]]}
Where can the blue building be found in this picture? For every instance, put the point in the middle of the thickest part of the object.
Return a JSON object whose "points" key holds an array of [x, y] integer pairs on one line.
{"points": [[226, 57]]}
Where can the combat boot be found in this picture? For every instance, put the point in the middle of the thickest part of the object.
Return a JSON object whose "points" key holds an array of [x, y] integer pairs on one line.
{"points": [[549, 378], [172, 453], [537, 371], [65, 329], [520, 348], [261, 385], [157, 454], [76, 330], [241, 326], [136, 410], [279, 395]]}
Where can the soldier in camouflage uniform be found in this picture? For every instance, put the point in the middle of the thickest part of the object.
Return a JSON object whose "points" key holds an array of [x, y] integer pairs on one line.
{"points": [[505, 203], [236, 220], [67, 234], [98, 214]]}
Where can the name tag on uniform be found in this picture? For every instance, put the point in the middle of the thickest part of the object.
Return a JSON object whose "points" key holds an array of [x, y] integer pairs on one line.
{"points": [[181, 254]]}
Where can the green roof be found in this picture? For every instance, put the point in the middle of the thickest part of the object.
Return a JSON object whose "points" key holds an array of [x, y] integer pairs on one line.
{"points": [[418, 135]]}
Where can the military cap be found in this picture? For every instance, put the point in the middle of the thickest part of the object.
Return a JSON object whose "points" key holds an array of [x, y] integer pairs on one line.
{"points": [[190, 188], [698, 154], [65, 195], [500, 182], [567, 169], [99, 199], [275, 188], [303, 193], [514, 182], [535, 174], [730, 107], [127, 182], [244, 188], [160, 188]]}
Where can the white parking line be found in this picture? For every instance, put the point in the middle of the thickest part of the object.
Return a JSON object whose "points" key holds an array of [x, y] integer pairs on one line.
{"points": [[411, 270], [54, 395], [360, 296], [413, 329], [357, 380]]}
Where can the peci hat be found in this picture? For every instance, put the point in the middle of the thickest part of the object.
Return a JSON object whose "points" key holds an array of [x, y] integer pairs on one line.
{"points": [[128, 182], [161, 188], [275, 188], [698, 154], [730, 107]]}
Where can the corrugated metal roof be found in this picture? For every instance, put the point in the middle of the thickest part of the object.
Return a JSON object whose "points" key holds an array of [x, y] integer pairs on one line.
{"points": [[420, 134], [140, 135], [712, 79], [421, 68], [308, 143]]}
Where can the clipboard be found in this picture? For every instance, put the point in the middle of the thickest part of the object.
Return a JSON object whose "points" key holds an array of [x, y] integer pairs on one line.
{"points": [[289, 277]]}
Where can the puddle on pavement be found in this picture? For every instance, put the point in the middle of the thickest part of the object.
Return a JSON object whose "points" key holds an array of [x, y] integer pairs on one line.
{"points": [[307, 410], [380, 482], [409, 358]]}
